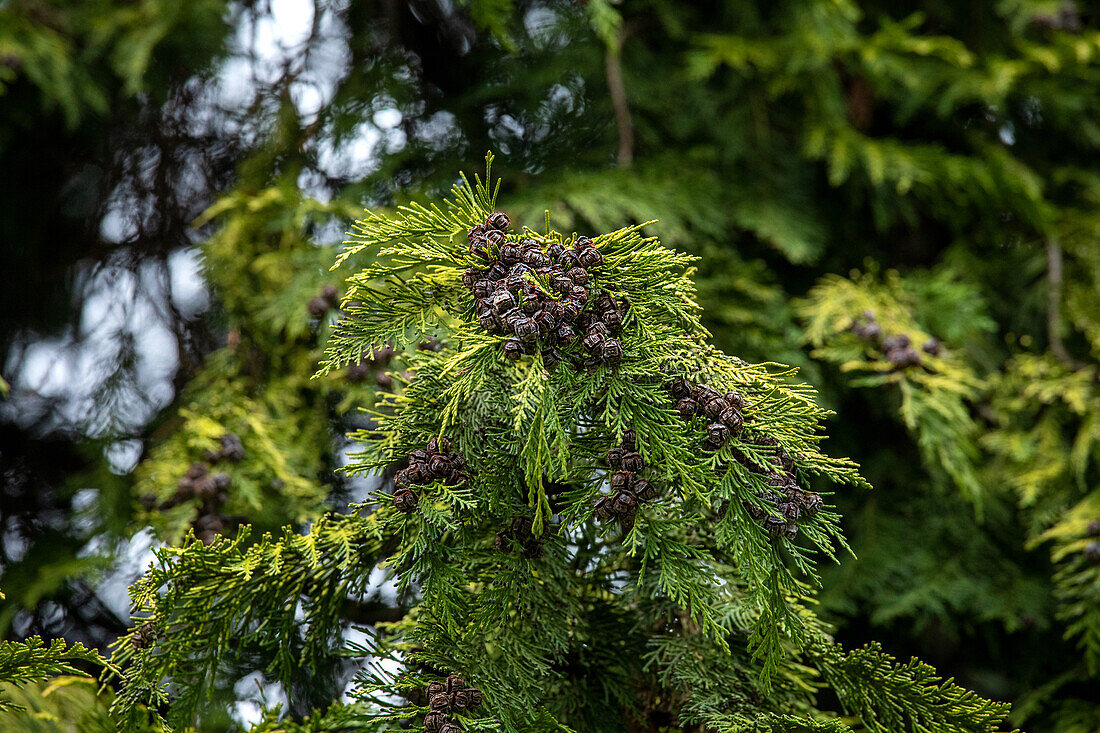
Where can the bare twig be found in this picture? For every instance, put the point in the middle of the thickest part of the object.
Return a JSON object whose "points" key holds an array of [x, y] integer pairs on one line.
{"points": [[1054, 304], [615, 85]]}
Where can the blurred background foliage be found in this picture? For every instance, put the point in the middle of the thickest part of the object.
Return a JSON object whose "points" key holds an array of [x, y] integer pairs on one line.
{"points": [[178, 175]]}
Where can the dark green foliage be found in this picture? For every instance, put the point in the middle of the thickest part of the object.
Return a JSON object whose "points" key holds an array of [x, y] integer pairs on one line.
{"points": [[904, 697], [687, 612], [34, 660], [932, 163]]}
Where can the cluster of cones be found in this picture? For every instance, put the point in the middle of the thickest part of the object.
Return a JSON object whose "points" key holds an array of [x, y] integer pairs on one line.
{"points": [[1092, 549], [601, 324], [201, 483], [518, 537], [451, 695], [319, 305], [789, 500], [897, 349], [539, 297], [230, 448], [628, 490], [436, 462], [724, 411], [145, 636]]}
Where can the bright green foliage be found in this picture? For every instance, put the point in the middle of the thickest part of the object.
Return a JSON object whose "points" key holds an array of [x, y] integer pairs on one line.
{"points": [[34, 661], [1047, 443], [542, 425], [1025, 434], [337, 719], [270, 483], [258, 387], [59, 705], [947, 149], [932, 398], [692, 614], [232, 604], [1039, 426]]}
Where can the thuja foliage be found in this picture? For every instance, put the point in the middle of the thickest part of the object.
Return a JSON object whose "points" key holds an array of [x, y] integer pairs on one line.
{"points": [[528, 604], [1024, 433], [867, 328], [34, 660], [250, 442], [782, 142], [1022, 436]]}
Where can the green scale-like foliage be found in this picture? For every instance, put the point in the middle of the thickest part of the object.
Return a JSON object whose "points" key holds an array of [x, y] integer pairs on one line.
{"points": [[1026, 433], [32, 661], [933, 395], [691, 614], [1046, 447], [265, 269], [524, 422], [233, 603]]}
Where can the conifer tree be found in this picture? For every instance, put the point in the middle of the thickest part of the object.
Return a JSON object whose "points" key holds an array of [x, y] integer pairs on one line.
{"points": [[946, 150], [595, 521]]}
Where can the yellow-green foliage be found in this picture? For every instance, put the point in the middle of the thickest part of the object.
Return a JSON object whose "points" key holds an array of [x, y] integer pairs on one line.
{"points": [[33, 661], [932, 398], [63, 704], [1046, 443], [276, 483]]}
